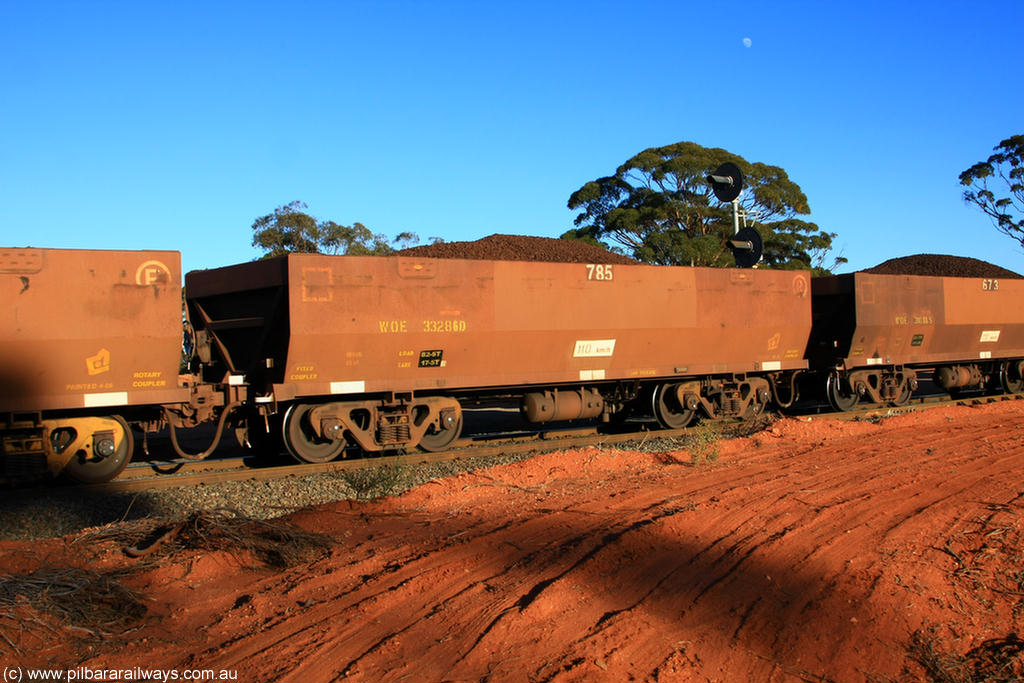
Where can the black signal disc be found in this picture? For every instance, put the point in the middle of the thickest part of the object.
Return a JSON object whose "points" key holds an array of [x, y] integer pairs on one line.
{"points": [[746, 258], [730, 189]]}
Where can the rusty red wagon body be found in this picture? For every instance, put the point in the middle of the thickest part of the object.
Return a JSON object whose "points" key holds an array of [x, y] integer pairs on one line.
{"points": [[85, 336], [380, 349], [872, 333], [382, 352]]}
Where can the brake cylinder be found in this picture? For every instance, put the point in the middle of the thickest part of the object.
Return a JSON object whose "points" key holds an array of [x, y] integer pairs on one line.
{"points": [[562, 405], [953, 376]]}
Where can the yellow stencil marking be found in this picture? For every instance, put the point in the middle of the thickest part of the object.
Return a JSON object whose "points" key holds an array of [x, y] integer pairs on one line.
{"points": [[99, 363]]}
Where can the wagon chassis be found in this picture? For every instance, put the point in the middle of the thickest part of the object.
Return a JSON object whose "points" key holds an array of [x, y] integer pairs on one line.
{"points": [[315, 430], [894, 385]]}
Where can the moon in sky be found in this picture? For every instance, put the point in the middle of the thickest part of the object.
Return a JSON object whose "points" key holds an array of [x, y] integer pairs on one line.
{"points": [[747, 42]]}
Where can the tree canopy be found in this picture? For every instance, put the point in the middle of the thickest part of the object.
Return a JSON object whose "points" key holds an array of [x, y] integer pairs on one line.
{"points": [[659, 208], [1004, 168], [290, 229]]}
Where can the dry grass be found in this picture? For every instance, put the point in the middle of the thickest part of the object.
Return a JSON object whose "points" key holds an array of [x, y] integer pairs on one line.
{"points": [[369, 483], [989, 556], [998, 660], [271, 543], [88, 603], [988, 571], [69, 603]]}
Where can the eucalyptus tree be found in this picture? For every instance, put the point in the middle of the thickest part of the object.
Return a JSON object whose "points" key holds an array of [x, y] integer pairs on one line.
{"points": [[659, 208], [290, 229], [1004, 168]]}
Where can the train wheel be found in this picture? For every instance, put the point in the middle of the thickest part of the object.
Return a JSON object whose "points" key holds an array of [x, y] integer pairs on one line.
{"points": [[838, 396], [753, 410], [302, 442], [904, 397], [109, 462], [1012, 381], [440, 440], [668, 411]]}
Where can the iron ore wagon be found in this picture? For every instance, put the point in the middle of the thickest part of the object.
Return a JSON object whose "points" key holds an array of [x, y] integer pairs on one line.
{"points": [[873, 333], [380, 351]]}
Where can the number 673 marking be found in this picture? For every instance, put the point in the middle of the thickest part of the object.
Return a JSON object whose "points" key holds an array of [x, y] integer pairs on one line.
{"points": [[599, 272]]}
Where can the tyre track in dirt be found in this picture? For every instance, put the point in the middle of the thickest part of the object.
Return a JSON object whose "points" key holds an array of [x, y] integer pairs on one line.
{"points": [[809, 552]]}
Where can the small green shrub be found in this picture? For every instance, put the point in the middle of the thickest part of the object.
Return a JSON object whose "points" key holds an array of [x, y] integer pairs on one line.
{"points": [[369, 483], [702, 442]]}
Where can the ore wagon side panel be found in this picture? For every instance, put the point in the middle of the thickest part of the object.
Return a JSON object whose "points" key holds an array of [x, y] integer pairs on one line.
{"points": [[366, 324], [865, 319], [897, 316], [112, 339], [573, 322], [369, 324], [984, 317], [750, 320]]}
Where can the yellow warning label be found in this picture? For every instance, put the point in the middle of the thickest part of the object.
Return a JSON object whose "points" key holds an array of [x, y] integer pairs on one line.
{"points": [[99, 363]]}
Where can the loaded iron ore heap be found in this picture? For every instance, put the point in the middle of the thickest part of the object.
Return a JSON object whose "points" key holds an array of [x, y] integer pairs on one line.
{"points": [[520, 248], [941, 265]]}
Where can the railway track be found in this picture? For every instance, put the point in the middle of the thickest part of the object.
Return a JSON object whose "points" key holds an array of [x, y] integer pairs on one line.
{"points": [[160, 475], [148, 477]]}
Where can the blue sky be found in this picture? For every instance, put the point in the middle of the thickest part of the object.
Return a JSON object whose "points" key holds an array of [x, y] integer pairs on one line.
{"points": [[173, 125]]}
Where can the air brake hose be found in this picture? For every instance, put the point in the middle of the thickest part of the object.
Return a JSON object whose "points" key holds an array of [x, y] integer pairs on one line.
{"points": [[793, 394], [216, 438]]}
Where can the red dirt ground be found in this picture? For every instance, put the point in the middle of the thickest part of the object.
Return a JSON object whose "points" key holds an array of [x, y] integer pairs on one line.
{"points": [[808, 552]]}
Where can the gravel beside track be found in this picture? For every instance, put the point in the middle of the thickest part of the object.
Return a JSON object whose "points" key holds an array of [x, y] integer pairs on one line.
{"points": [[59, 510], [46, 513]]}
